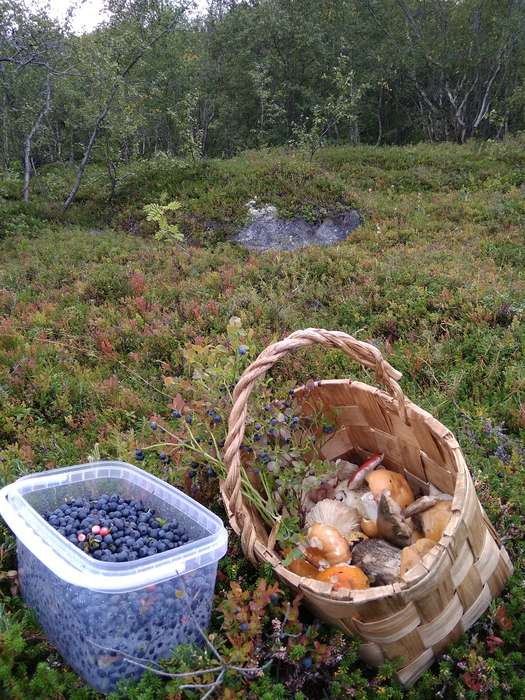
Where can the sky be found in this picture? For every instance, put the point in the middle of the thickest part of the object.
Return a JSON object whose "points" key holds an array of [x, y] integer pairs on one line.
{"points": [[87, 16]]}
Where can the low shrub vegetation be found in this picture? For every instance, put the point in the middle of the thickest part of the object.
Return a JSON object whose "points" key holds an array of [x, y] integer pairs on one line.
{"points": [[104, 329]]}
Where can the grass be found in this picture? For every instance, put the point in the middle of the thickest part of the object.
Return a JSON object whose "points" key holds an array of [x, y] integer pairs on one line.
{"points": [[100, 326]]}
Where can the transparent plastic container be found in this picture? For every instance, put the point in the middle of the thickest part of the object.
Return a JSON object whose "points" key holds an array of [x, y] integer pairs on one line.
{"points": [[109, 620]]}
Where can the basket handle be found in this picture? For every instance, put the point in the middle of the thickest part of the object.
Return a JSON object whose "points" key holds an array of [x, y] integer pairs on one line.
{"points": [[363, 353]]}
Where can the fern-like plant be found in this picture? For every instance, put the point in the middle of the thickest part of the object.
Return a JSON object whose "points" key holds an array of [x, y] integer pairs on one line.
{"points": [[157, 213]]}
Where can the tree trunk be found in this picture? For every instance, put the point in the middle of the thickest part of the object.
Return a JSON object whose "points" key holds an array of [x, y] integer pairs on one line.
{"points": [[29, 140], [105, 111], [89, 148], [379, 122]]}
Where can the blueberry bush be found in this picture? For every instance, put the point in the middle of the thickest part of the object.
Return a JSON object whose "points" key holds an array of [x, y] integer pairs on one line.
{"points": [[117, 345]]}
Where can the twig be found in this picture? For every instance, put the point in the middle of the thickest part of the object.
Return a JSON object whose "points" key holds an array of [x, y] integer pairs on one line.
{"points": [[154, 667], [145, 381]]}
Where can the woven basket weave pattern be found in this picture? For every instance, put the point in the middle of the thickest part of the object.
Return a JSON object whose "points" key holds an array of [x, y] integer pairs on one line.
{"points": [[415, 619]]}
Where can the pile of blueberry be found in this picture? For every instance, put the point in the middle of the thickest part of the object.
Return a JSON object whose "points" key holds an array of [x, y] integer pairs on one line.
{"points": [[115, 529], [98, 633]]}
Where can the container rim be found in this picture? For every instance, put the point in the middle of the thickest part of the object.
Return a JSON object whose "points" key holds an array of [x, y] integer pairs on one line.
{"points": [[76, 567]]}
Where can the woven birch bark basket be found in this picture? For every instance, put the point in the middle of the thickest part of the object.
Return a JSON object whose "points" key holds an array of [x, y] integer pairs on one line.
{"points": [[435, 602]]}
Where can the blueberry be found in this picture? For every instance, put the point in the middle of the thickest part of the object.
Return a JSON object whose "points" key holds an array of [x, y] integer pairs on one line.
{"points": [[108, 539], [244, 627], [217, 418], [176, 414], [139, 455], [162, 456], [189, 420], [153, 425], [307, 662], [243, 350]]}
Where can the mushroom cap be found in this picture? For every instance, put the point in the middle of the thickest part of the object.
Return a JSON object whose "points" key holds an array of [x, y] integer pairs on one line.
{"points": [[301, 567], [336, 514], [345, 576], [434, 520], [391, 525], [399, 488], [369, 527], [412, 555], [326, 546]]}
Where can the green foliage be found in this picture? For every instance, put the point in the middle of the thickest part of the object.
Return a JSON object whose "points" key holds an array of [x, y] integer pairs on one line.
{"points": [[339, 108], [101, 330], [157, 213], [158, 80]]}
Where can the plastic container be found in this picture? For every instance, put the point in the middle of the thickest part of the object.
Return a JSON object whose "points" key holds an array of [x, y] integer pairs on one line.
{"points": [[105, 618]]}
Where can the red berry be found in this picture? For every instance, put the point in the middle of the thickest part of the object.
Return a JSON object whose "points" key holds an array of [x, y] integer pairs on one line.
{"points": [[95, 529], [81, 537], [104, 531]]}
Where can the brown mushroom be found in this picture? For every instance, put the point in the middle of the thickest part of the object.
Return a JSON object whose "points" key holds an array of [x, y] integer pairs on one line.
{"points": [[399, 488], [326, 546], [410, 556], [391, 526], [379, 560], [434, 520], [301, 567], [344, 576], [369, 527], [424, 503]]}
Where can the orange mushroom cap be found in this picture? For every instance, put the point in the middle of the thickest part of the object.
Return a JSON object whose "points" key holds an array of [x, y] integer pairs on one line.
{"points": [[345, 576]]}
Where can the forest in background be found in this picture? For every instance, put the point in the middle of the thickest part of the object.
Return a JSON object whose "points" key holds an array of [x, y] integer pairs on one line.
{"points": [[159, 78]]}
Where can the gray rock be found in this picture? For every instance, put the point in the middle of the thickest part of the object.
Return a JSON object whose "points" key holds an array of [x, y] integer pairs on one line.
{"points": [[268, 232]]}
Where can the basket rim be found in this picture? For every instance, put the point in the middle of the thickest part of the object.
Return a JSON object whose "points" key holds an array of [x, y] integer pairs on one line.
{"points": [[323, 591]]}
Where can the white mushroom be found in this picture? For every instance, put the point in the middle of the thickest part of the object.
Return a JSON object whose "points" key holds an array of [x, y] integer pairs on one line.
{"points": [[336, 514]]}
